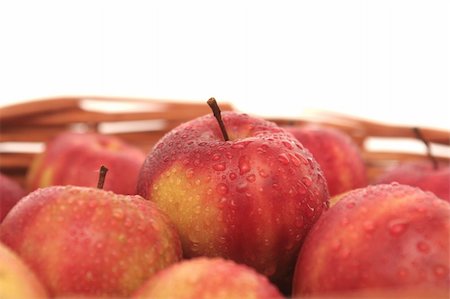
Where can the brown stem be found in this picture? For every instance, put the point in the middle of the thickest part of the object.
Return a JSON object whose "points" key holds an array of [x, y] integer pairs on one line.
{"points": [[101, 177], [420, 136], [216, 111]]}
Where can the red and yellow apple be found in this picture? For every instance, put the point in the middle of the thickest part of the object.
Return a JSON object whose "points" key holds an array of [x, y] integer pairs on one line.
{"points": [[10, 193], [87, 241], [74, 159], [422, 174], [251, 198], [380, 238], [203, 278], [338, 155], [17, 281]]}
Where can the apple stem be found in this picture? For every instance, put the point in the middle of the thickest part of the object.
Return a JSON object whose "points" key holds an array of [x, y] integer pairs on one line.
{"points": [[101, 177], [420, 136], [216, 111]]}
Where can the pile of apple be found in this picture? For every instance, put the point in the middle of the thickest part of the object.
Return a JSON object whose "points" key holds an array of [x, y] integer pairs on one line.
{"points": [[224, 206]]}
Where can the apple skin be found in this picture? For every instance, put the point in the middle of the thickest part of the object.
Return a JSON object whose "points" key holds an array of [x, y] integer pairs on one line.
{"points": [[17, 281], [87, 241], [420, 174], [251, 199], [337, 154], [382, 237], [10, 193], [204, 278], [74, 159]]}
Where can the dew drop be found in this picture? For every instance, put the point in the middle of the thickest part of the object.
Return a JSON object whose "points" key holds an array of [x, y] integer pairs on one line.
{"points": [[263, 174], [241, 187], [118, 214], [440, 271], [222, 189], [262, 149], [189, 173], [215, 157], [369, 226], [232, 176], [276, 186], [397, 226], [287, 145], [350, 205], [251, 178], [307, 181], [423, 247], [219, 166], [243, 165], [283, 158]]}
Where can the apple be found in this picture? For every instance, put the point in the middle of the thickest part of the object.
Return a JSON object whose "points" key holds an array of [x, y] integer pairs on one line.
{"points": [[427, 175], [88, 241], [338, 155], [17, 281], [382, 237], [74, 159], [251, 198], [10, 193], [203, 278], [420, 174]]}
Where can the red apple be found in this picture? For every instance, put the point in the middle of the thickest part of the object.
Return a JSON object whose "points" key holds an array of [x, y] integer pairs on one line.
{"points": [[338, 155], [202, 278], [382, 237], [10, 193], [251, 199], [421, 174], [87, 241], [74, 159], [17, 281]]}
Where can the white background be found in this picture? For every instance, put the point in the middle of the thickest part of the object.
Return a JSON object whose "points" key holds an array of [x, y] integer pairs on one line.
{"points": [[386, 60]]}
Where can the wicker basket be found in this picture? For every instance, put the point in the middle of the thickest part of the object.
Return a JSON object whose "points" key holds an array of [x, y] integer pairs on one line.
{"points": [[26, 126]]}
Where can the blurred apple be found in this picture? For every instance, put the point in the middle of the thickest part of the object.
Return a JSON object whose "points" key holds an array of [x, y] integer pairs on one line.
{"points": [[17, 281], [203, 278], [384, 238], [10, 193], [74, 159], [251, 198], [87, 241], [338, 155], [422, 174]]}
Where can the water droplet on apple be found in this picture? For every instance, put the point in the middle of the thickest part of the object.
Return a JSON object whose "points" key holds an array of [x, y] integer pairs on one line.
{"points": [[215, 157], [283, 158], [228, 155], [299, 221], [423, 247], [270, 270], [232, 176], [241, 187], [244, 165], [296, 161], [307, 181], [276, 186], [287, 144], [394, 184], [251, 178], [189, 173], [220, 166], [222, 189], [262, 149], [263, 174], [397, 226], [301, 188], [369, 226], [118, 214], [350, 205], [440, 271]]}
